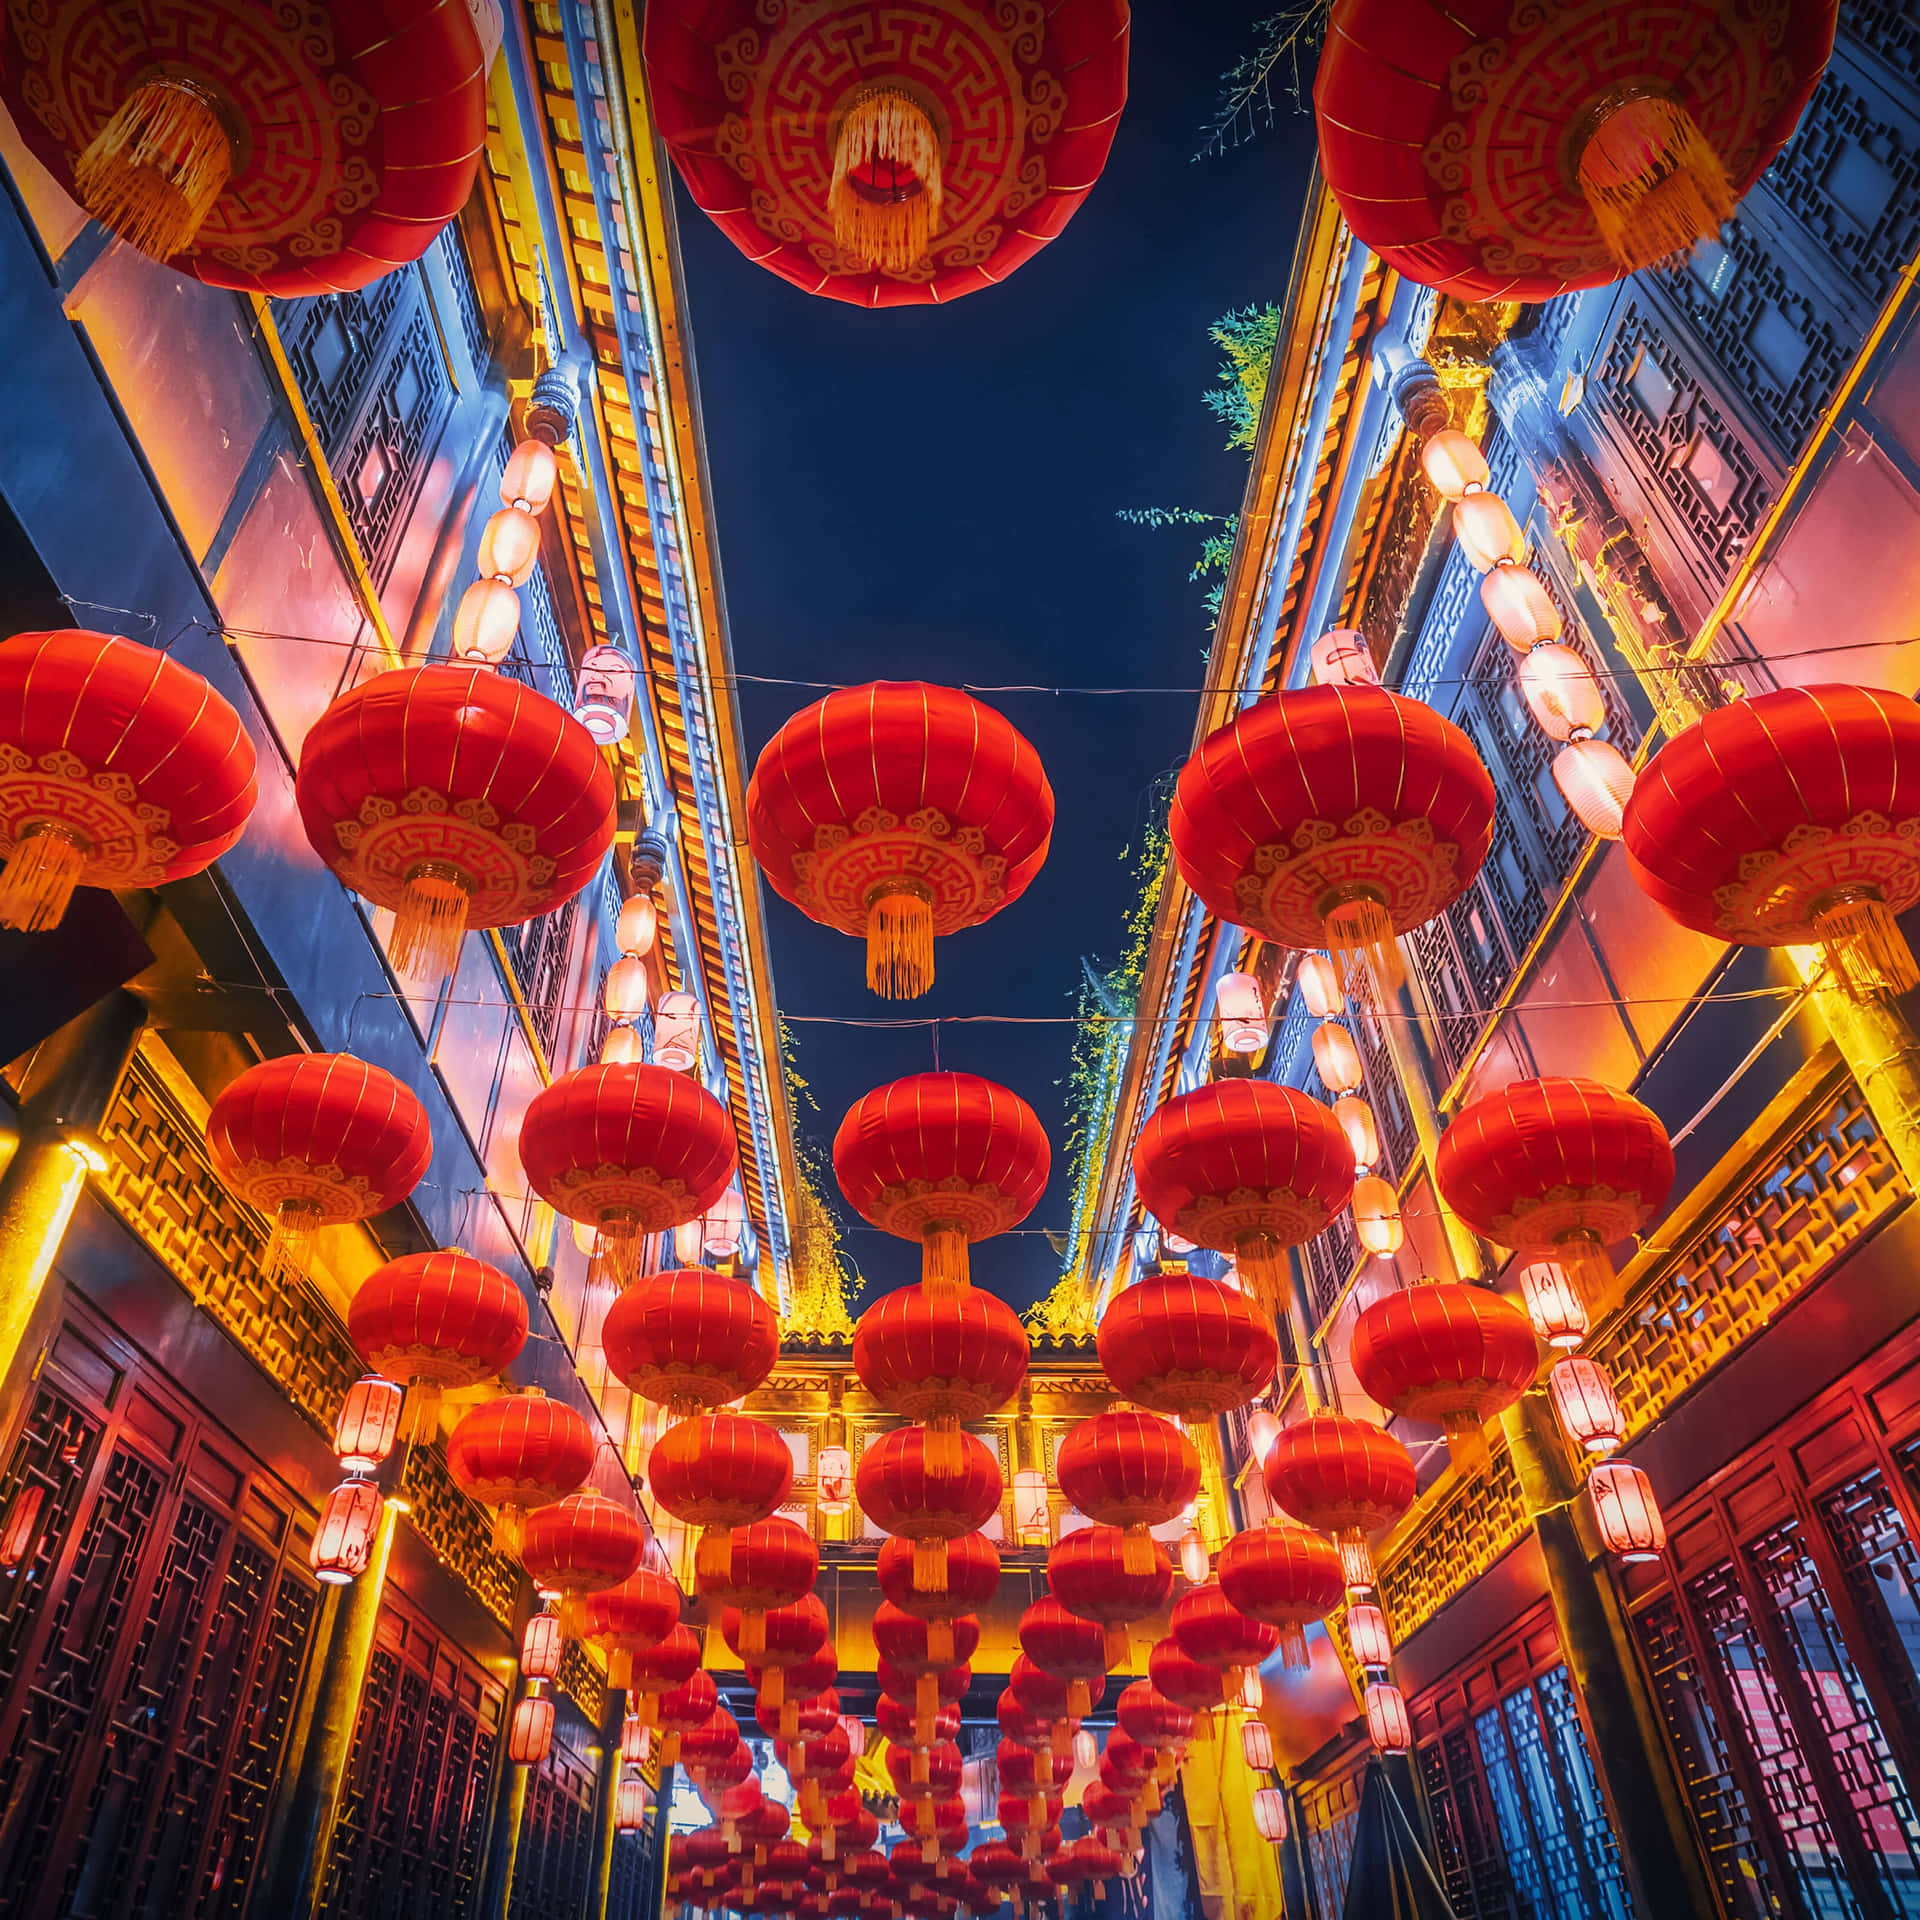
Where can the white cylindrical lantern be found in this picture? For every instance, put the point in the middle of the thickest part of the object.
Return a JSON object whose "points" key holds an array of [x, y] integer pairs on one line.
{"points": [[1173, 1244], [856, 1732], [1253, 1690], [1343, 658], [1086, 1750], [1626, 1512], [1588, 1407], [1553, 1304], [530, 1733], [1376, 1215], [1263, 1429], [1270, 1814], [1367, 1635], [833, 1480], [687, 1244], [531, 476], [626, 992], [1561, 692], [636, 1740], [486, 623], [1242, 1012], [1256, 1745], [1336, 1059], [1488, 533], [1521, 609], [541, 1647], [1195, 1562], [630, 1804], [621, 1047], [1597, 782], [1356, 1122], [510, 547], [1319, 982], [721, 1225], [1030, 1516], [1453, 464], [1387, 1723], [676, 1031], [603, 696], [342, 1547], [369, 1421], [638, 926]]}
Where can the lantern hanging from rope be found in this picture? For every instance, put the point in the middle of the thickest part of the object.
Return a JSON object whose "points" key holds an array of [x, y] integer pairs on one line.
{"points": [[689, 1339], [1625, 1512], [1286, 1577], [348, 1528], [906, 1491], [518, 1453], [943, 1358], [657, 1670], [367, 1424], [1344, 1477]]}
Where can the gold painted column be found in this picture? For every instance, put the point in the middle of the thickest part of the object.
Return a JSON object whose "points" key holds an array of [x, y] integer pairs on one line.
{"points": [[606, 1804], [1650, 1819], [1882, 1053]]}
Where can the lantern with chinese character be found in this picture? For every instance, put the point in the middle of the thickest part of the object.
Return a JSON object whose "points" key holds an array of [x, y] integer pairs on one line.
{"points": [[1343, 1477], [318, 1140], [369, 1420], [1584, 1398], [689, 1339], [541, 1646], [1333, 816], [343, 1542], [941, 1357], [907, 1491], [1553, 1304], [1133, 1471], [530, 1732], [899, 813], [1517, 158], [944, 1159], [1387, 1724], [603, 694], [1343, 658], [1241, 1010], [1285, 1576], [1625, 1512], [676, 1032], [1448, 1353], [1247, 1167], [720, 1471], [1087, 1573], [833, 1480], [518, 1453], [632, 1150], [1558, 1168]]}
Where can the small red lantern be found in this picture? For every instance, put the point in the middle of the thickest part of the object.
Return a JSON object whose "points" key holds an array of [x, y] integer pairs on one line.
{"points": [[658, 1669], [690, 1339], [118, 766], [343, 1542], [1065, 1647], [904, 1490], [530, 1733], [973, 1578], [540, 1648], [720, 1471], [1188, 1683], [630, 1619], [1560, 1167], [1209, 1628], [1584, 1398], [923, 1648], [1367, 1637], [1256, 1746], [945, 1159], [941, 1358], [1387, 1724], [1448, 1353], [437, 1320], [1553, 1304], [770, 1563], [1342, 1477], [369, 1420], [1285, 1576], [1270, 1814], [1132, 1471], [317, 1140], [583, 1544], [630, 1807], [1626, 1512], [517, 1453], [789, 1636], [1087, 1573], [630, 1150], [1148, 1716], [1246, 1167], [636, 1740]]}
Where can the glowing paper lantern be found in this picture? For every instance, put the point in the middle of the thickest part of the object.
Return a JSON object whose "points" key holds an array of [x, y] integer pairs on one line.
{"points": [[1376, 1215], [627, 993], [1343, 658], [1488, 534], [1367, 1636], [486, 623], [638, 926], [1241, 1009], [1453, 464], [1270, 1814], [1589, 1410], [676, 1032], [1626, 1512], [530, 1733], [1597, 781], [1553, 1304], [1561, 693], [1517, 602], [343, 1541], [369, 1422], [1031, 1519], [532, 473], [1387, 1723], [540, 1648], [1336, 1059], [1256, 1745], [1355, 1119], [1318, 980], [833, 1480], [510, 547]]}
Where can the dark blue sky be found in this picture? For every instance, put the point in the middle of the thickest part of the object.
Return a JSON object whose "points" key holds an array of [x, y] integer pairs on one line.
{"points": [[929, 493]]}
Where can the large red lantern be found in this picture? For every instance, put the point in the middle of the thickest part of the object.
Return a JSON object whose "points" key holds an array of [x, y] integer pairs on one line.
{"points": [[949, 1688], [281, 152], [941, 1358], [690, 1339], [1208, 1627], [1286, 1577], [923, 1648], [1501, 157], [972, 1579], [631, 1618], [628, 1149], [720, 1471], [317, 1140], [944, 1159], [1066, 1647], [1177, 1676], [1445, 1352], [659, 1669], [898, 1721], [1558, 1168], [1087, 1572], [888, 155], [905, 1490], [1345, 1477], [1333, 816], [1787, 820], [459, 799], [1161, 1725], [1129, 1470], [581, 1545], [435, 1320], [1247, 1167], [899, 813], [518, 1453], [118, 766], [789, 1637], [770, 1563]]}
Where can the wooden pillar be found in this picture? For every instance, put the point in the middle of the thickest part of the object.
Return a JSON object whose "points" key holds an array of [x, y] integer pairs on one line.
{"points": [[1630, 1755], [606, 1804], [508, 1813]]}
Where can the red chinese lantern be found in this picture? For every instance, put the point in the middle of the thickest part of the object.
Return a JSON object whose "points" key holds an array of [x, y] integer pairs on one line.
{"points": [[459, 799], [368, 1424], [770, 1563], [1387, 1723], [1453, 1354], [926, 1774], [690, 1339], [1517, 159], [581, 1545], [903, 1489], [898, 1720], [1188, 1683], [530, 1732], [1367, 1637], [541, 1647], [949, 1687], [631, 1618], [630, 1150], [317, 1140], [790, 1636], [973, 1578], [1335, 817], [1091, 1863], [805, 1680], [658, 1670], [711, 1744], [1132, 1471], [1553, 1304], [1209, 1628], [1558, 1168], [680, 1710], [118, 766], [720, 1471], [1027, 1773], [518, 1453], [1247, 1167], [1625, 1511], [1286, 1576], [941, 1358], [1065, 1647], [888, 155], [1789, 820], [899, 812], [1055, 1699], [923, 1647], [1087, 1573], [437, 1320], [1161, 1725], [284, 154], [1110, 1813], [343, 1542], [1588, 1407], [631, 1804], [1344, 1477], [944, 1159]]}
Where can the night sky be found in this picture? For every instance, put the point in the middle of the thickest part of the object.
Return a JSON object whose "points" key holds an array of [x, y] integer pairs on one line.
{"points": [[930, 493]]}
